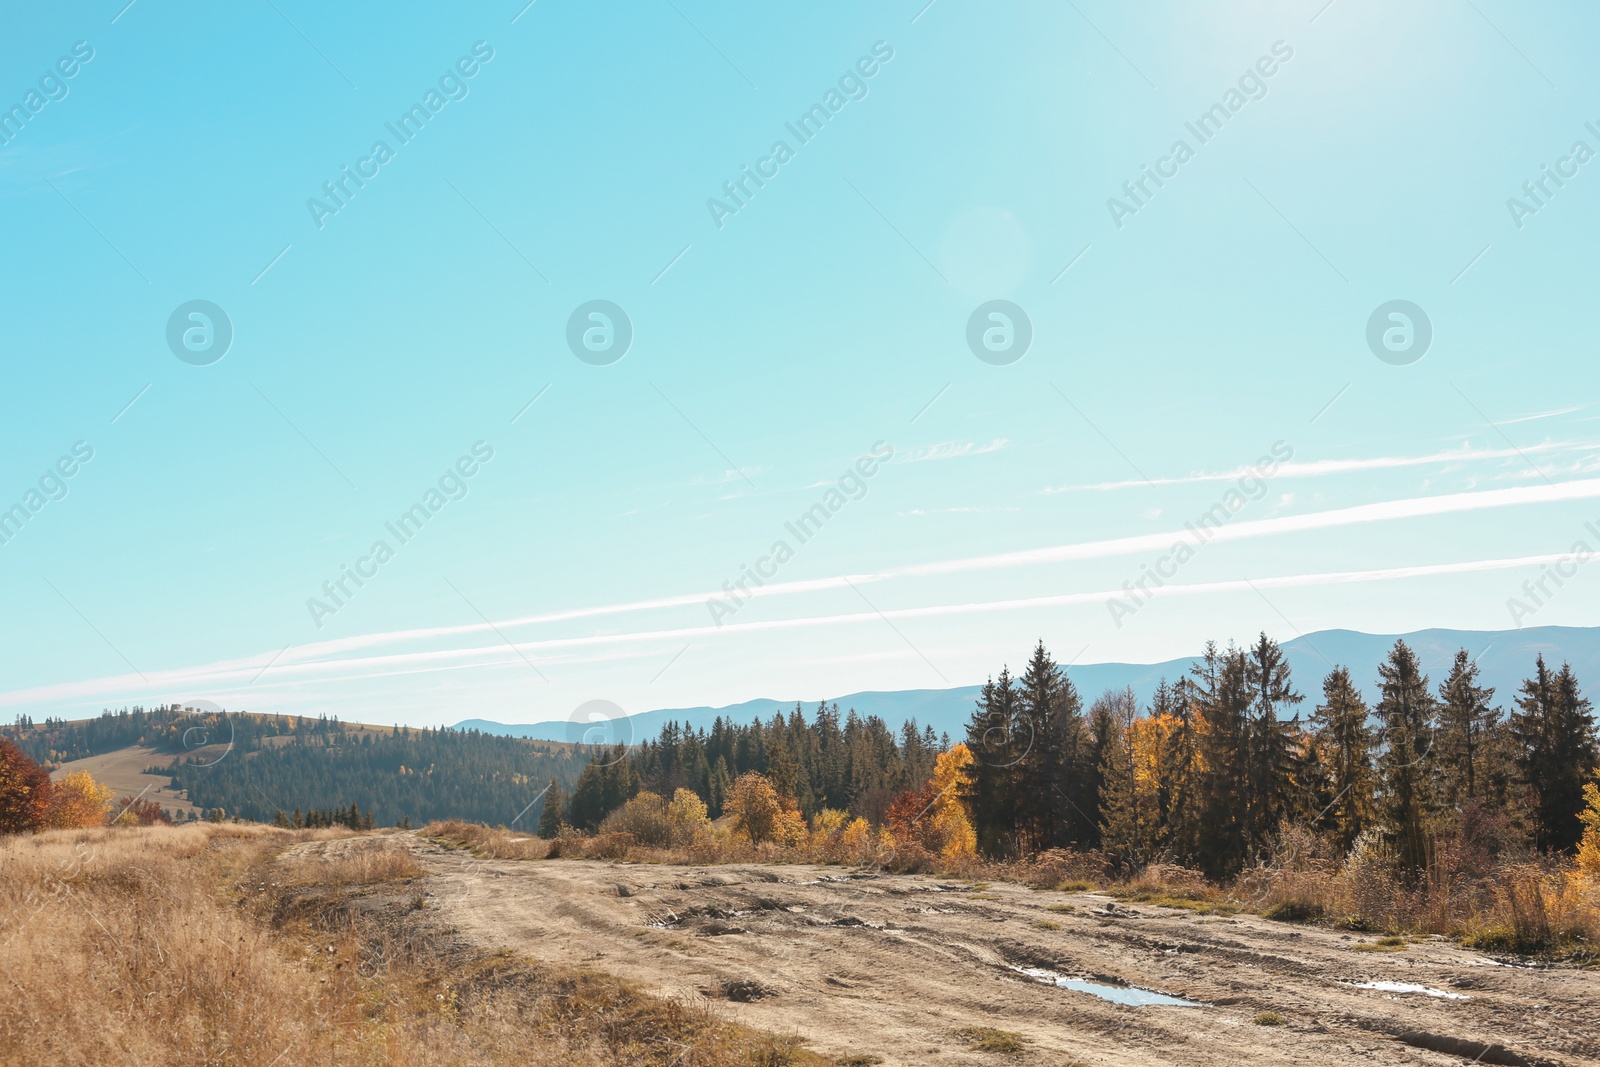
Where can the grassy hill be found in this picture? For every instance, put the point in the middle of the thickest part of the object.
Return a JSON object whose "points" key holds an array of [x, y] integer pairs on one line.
{"points": [[124, 770], [193, 761]]}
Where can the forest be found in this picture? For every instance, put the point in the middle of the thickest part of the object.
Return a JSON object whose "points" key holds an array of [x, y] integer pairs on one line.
{"points": [[1209, 775], [255, 766]]}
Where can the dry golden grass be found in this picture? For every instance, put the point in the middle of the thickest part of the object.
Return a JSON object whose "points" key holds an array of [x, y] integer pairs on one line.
{"points": [[488, 842], [355, 862], [1545, 908], [716, 846], [221, 944]]}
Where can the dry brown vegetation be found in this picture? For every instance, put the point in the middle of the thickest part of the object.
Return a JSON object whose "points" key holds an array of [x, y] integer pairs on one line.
{"points": [[213, 944], [1535, 906], [1530, 906]]}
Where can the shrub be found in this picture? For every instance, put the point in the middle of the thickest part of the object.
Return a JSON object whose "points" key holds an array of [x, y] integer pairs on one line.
{"points": [[134, 811], [645, 818], [688, 816], [855, 841], [933, 818], [753, 803], [77, 802], [1297, 910], [1589, 847], [24, 791]]}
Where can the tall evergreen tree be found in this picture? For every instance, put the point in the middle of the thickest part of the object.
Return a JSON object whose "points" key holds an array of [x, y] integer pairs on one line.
{"points": [[1270, 742], [1180, 759], [1223, 699], [1100, 738], [1405, 764], [554, 809], [1553, 727], [1127, 818], [1052, 723], [997, 746], [1345, 741], [1466, 717]]}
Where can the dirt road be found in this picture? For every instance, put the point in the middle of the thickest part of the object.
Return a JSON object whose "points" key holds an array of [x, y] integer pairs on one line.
{"points": [[894, 966]]}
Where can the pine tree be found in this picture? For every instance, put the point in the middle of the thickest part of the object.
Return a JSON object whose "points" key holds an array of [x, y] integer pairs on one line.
{"points": [[1100, 737], [1051, 723], [990, 780], [720, 786], [1126, 816], [1269, 742], [1554, 731], [550, 814], [1223, 698], [1345, 743], [1465, 719], [1405, 763], [1180, 762]]}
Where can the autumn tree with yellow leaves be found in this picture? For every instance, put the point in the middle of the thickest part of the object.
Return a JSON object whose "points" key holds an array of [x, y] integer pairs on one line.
{"points": [[77, 802]]}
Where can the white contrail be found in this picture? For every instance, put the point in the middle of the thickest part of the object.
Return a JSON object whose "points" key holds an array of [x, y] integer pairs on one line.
{"points": [[1320, 467], [1413, 507], [219, 675]]}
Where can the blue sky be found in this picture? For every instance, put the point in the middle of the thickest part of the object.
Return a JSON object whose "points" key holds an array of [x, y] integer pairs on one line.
{"points": [[1173, 347]]}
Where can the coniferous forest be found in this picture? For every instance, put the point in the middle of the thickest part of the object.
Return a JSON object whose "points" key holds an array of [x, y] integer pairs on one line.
{"points": [[1209, 774], [844, 763], [1220, 762], [256, 766]]}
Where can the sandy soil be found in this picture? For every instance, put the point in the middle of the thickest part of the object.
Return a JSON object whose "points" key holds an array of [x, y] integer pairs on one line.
{"points": [[893, 965]]}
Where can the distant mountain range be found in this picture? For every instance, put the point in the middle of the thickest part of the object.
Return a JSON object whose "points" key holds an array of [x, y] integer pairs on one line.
{"points": [[1506, 657]]}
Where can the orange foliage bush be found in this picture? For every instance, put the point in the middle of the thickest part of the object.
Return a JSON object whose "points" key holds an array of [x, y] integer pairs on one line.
{"points": [[24, 791], [77, 802], [136, 812]]}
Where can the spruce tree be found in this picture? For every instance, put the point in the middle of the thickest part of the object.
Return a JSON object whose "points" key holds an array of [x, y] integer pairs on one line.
{"points": [[551, 813], [1126, 817], [1345, 742], [1270, 742], [1466, 717], [721, 786], [1180, 761], [1051, 721], [1223, 699], [1554, 731], [1405, 764], [990, 780], [1100, 737]]}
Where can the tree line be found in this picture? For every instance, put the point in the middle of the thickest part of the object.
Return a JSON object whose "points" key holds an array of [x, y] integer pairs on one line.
{"points": [[395, 775], [1217, 763], [238, 765], [846, 763]]}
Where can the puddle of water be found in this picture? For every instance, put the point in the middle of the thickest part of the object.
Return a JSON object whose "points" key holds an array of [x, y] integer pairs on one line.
{"points": [[1409, 987], [1127, 995]]}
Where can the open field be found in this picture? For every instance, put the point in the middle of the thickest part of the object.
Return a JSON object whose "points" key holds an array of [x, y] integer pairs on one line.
{"points": [[917, 970], [159, 945], [257, 947], [123, 771]]}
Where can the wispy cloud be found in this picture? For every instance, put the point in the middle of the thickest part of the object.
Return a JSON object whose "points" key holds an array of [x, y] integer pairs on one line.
{"points": [[214, 678], [1323, 467], [1383, 511], [1541, 415], [319, 658], [950, 450]]}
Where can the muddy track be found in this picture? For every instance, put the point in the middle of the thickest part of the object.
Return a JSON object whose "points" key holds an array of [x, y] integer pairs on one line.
{"points": [[892, 966]]}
